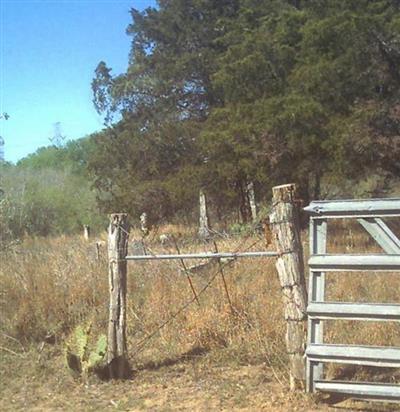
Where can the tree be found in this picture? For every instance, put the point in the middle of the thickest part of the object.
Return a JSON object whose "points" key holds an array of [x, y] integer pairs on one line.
{"points": [[153, 177], [301, 73], [4, 116], [173, 52], [220, 93], [167, 83]]}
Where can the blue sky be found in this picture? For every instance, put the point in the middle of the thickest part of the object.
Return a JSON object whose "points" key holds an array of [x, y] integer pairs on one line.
{"points": [[48, 52]]}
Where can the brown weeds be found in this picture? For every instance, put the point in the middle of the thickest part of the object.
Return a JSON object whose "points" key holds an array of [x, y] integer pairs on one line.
{"points": [[49, 286]]}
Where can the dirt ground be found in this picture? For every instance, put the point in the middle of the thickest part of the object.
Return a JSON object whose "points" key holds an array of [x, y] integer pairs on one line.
{"points": [[41, 383]]}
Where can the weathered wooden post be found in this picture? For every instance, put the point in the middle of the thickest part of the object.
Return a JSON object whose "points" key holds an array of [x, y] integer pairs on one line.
{"points": [[204, 228], [86, 232], [290, 266], [144, 224], [252, 200], [118, 234]]}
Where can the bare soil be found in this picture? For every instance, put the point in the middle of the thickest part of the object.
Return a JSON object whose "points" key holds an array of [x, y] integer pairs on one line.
{"points": [[40, 382]]}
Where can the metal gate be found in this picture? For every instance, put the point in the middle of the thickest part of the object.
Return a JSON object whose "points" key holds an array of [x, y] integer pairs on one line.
{"points": [[369, 214]]}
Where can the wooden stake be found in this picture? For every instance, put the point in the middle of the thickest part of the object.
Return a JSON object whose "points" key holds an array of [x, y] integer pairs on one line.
{"points": [[290, 266], [144, 224], [204, 224], [252, 201], [86, 232], [118, 233]]}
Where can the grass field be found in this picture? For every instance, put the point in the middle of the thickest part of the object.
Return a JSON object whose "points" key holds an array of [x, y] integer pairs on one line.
{"points": [[226, 352]]}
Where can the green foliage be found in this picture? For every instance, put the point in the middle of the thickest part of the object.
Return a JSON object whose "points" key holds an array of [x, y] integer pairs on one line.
{"points": [[218, 94], [136, 170], [49, 192], [97, 355], [72, 157], [84, 354], [241, 229], [48, 201]]}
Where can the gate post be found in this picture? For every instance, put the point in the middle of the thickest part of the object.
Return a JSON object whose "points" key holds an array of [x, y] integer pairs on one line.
{"points": [[118, 233], [290, 266]]}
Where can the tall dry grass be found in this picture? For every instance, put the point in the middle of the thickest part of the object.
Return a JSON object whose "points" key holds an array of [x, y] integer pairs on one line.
{"points": [[48, 286]]}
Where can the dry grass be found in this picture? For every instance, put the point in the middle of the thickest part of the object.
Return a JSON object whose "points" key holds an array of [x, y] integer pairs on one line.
{"points": [[48, 286]]}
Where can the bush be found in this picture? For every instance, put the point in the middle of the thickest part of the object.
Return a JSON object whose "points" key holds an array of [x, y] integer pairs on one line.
{"points": [[47, 202]]}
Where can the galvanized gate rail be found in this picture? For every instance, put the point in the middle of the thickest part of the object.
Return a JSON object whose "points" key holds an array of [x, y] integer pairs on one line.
{"points": [[368, 213], [205, 255]]}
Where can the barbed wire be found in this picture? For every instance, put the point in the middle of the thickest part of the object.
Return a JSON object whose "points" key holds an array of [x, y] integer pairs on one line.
{"points": [[142, 343]]}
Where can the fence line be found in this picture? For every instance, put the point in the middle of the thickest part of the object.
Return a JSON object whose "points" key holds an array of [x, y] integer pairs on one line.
{"points": [[289, 266]]}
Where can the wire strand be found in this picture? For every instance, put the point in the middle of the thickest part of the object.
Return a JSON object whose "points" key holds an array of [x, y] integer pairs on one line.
{"points": [[140, 346]]}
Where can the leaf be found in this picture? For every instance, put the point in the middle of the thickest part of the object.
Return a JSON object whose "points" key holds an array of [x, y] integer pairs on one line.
{"points": [[81, 338], [101, 345], [97, 355]]}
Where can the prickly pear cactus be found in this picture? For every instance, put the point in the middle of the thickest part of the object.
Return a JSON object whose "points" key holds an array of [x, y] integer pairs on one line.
{"points": [[83, 354]]}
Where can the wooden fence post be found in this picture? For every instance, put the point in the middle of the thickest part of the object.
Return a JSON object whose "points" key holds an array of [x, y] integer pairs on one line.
{"points": [[204, 224], [118, 233], [252, 201], [290, 266], [144, 224], [86, 232]]}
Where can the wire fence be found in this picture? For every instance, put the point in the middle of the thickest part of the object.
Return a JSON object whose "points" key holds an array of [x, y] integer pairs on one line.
{"points": [[240, 251]]}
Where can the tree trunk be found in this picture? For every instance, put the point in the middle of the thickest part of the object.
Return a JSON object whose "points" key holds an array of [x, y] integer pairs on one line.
{"points": [[118, 234], [317, 185], [286, 237]]}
